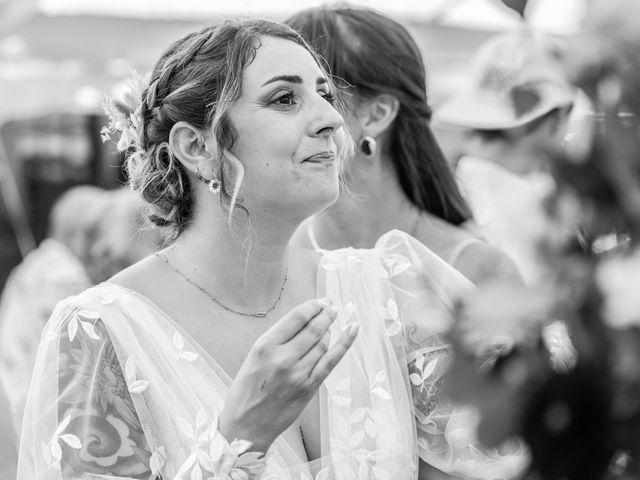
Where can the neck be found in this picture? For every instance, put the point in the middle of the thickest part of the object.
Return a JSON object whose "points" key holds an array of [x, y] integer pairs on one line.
{"points": [[244, 271], [374, 204]]}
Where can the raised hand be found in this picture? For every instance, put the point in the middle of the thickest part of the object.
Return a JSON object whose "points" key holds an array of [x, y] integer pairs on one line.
{"points": [[283, 370]]}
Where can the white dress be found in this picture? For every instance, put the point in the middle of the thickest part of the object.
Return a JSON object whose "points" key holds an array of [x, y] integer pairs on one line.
{"points": [[121, 391]]}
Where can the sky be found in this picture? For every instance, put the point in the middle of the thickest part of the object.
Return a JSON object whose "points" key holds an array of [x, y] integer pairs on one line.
{"points": [[553, 16]]}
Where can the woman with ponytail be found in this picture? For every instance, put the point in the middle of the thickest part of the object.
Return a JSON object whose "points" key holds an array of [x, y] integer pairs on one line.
{"points": [[399, 178]]}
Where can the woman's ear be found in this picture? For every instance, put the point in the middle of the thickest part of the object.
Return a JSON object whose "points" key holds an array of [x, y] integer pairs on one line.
{"points": [[378, 114], [189, 145]]}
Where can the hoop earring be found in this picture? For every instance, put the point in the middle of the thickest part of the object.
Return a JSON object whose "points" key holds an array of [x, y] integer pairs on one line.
{"points": [[368, 146], [213, 184]]}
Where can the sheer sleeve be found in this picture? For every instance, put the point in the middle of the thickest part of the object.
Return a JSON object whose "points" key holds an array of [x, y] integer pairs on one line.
{"points": [[91, 412], [425, 289]]}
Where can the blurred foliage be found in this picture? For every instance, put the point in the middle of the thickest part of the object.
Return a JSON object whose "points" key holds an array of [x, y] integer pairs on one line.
{"points": [[558, 363]]}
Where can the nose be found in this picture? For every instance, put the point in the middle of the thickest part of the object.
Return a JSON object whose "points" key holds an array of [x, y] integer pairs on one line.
{"points": [[326, 120]]}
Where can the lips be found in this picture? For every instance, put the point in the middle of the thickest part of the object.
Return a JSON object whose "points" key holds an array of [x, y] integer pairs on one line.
{"points": [[322, 157]]}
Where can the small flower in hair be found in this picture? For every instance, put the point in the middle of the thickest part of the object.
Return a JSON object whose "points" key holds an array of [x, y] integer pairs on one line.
{"points": [[125, 115]]}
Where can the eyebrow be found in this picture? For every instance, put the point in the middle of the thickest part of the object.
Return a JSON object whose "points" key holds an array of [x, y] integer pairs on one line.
{"points": [[293, 79]]}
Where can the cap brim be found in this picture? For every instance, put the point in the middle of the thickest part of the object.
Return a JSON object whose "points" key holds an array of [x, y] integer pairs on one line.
{"points": [[476, 110]]}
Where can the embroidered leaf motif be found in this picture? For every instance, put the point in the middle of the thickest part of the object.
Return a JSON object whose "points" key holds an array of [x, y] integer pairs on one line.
{"points": [[428, 370], [90, 330], [63, 425], [380, 474], [178, 341], [357, 415], [189, 356], [56, 451], [392, 308], [382, 393], [343, 385], [340, 400], [157, 460], [370, 428], [356, 439], [88, 315], [381, 376], [72, 328], [71, 440], [185, 428], [139, 386], [415, 379]]}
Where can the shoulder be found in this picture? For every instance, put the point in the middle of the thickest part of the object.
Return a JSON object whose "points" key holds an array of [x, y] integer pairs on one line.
{"points": [[481, 262]]}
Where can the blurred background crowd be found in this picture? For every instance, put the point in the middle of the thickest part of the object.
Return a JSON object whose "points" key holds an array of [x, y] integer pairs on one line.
{"points": [[66, 223]]}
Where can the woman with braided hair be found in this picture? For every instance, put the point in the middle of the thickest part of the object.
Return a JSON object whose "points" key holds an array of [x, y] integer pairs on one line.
{"points": [[399, 177], [230, 354]]}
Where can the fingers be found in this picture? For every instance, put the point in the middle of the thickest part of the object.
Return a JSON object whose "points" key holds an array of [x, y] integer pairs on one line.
{"points": [[308, 361], [313, 332], [288, 326], [327, 363]]}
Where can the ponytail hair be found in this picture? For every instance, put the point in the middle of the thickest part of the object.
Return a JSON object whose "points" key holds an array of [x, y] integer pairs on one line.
{"points": [[373, 54]]}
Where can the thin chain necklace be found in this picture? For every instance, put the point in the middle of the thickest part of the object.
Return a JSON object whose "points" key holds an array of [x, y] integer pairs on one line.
{"points": [[262, 314]]}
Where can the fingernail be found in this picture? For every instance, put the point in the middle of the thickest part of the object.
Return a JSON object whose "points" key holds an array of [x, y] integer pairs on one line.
{"points": [[324, 302], [353, 329]]}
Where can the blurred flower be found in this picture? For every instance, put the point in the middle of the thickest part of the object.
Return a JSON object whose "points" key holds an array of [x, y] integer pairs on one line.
{"points": [[618, 279]]}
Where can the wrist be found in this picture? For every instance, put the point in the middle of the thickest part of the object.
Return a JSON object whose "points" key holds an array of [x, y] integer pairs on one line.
{"points": [[234, 429]]}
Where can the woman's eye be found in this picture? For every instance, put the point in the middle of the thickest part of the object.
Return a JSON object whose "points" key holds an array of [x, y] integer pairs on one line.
{"points": [[288, 98], [329, 96]]}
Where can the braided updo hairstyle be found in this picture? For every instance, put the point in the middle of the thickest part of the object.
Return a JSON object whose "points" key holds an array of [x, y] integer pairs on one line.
{"points": [[196, 80]]}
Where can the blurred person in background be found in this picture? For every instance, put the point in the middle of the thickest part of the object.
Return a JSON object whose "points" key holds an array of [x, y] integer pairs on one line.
{"points": [[399, 177], [514, 110], [93, 233]]}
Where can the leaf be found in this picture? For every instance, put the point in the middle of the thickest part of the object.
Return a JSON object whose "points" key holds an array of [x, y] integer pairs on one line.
{"points": [[379, 474], [381, 377], [394, 329], [415, 379], [370, 428], [73, 328], [63, 425], [428, 370], [71, 440], [392, 308], [90, 330], [357, 415], [382, 393], [201, 418], [205, 460], [189, 356], [56, 451], [398, 269], [178, 341], [356, 439], [139, 386], [157, 460], [130, 369], [185, 427], [89, 315], [340, 400], [46, 452], [196, 473], [343, 385]]}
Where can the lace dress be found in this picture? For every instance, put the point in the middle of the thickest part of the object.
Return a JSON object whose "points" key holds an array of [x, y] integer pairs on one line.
{"points": [[121, 391]]}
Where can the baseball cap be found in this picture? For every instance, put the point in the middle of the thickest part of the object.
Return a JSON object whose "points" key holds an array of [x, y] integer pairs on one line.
{"points": [[515, 78]]}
